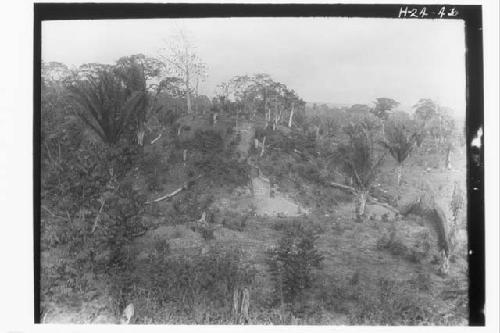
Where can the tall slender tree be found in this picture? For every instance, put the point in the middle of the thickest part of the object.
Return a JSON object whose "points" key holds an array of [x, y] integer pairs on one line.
{"points": [[181, 60], [399, 139], [361, 161]]}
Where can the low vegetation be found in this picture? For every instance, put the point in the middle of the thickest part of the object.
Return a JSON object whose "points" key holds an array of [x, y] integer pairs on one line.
{"points": [[148, 199]]}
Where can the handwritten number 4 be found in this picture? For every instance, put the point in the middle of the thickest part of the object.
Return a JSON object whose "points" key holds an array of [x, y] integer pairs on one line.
{"points": [[442, 12], [452, 12]]}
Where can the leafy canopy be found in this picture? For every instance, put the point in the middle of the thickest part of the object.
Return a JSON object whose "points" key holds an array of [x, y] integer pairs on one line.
{"points": [[359, 156], [400, 137], [383, 106]]}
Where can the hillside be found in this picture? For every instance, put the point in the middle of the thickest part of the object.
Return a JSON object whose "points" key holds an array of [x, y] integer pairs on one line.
{"points": [[232, 208]]}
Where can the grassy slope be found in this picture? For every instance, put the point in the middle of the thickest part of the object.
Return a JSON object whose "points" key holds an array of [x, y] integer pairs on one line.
{"points": [[350, 250]]}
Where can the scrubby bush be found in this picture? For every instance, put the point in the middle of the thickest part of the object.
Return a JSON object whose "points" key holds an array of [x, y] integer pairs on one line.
{"points": [[153, 183], [151, 163], [393, 304], [292, 263], [94, 248], [161, 248], [235, 221], [151, 166], [207, 232], [422, 247], [224, 170], [88, 212], [393, 244], [208, 142], [309, 171], [190, 280], [209, 158], [422, 282]]}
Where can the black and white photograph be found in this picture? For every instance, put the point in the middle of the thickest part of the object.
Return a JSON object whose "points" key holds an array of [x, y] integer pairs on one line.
{"points": [[254, 170], [228, 165]]}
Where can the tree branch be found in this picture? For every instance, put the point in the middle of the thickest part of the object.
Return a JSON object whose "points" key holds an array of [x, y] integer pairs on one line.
{"points": [[177, 191], [343, 187], [156, 139], [97, 217], [370, 199]]}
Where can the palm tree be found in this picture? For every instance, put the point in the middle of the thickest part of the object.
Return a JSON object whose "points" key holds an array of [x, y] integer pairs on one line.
{"points": [[400, 138], [361, 161], [108, 101]]}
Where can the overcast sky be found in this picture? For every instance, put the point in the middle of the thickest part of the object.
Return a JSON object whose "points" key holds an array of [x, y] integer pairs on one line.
{"points": [[336, 60]]}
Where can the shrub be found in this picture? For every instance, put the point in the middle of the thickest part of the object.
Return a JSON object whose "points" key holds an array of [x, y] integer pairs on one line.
{"points": [[422, 247], [122, 158], [94, 247], [309, 171], [393, 304], [207, 232], [161, 247], [150, 163], [208, 278], [292, 262], [422, 282], [153, 183], [208, 142], [223, 170], [235, 221], [393, 244]]}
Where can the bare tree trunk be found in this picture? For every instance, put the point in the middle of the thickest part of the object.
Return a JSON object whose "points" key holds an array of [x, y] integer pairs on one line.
{"points": [[447, 162], [59, 151], [399, 172], [140, 136], [444, 265], [263, 146], [236, 305], [360, 204], [188, 93], [188, 96], [180, 189], [196, 95], [291, 116], [245, 303]]}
